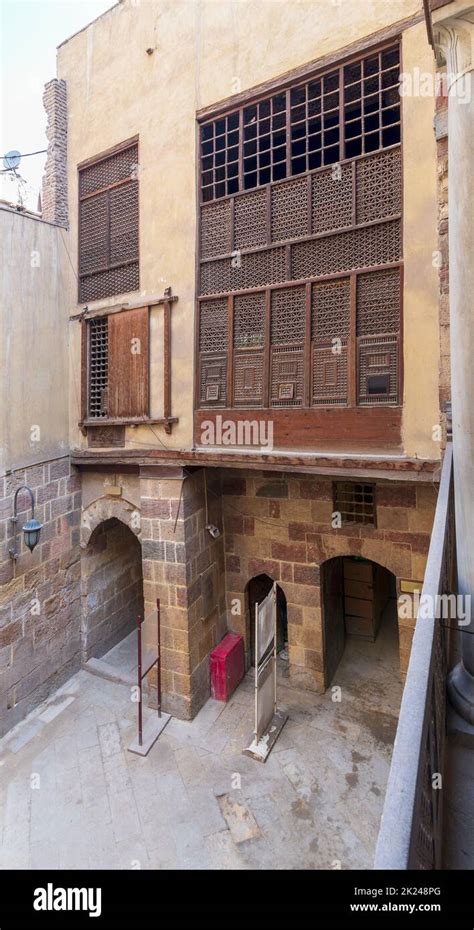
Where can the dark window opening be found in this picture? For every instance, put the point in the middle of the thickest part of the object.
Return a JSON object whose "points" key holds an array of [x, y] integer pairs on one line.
{"points": [[355, 502], [378, 384], [348, 112]]}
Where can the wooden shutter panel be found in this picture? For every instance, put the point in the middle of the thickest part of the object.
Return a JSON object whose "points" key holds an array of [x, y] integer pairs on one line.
{"points": [[128, 367]]}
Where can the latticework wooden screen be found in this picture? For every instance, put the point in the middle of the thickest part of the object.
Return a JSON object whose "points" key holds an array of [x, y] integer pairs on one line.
{"points": [[108, 226], [118, 365], [301, 244]]}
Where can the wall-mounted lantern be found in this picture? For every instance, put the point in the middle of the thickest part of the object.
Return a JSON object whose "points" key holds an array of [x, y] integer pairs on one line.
{"points": [[31, 529]]}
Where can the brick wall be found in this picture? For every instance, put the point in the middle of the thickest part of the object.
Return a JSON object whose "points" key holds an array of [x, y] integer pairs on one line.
{"points": [[111, 586], [281, 525], [54, 187], [40, 593]]}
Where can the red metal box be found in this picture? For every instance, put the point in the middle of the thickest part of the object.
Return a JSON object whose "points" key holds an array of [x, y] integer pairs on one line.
{"points": [[227, 666]]}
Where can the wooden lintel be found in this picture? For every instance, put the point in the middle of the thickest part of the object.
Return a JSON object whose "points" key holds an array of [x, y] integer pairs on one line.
{"points": [[129, 421], [90, 314], [395, 469], [162, 471]]}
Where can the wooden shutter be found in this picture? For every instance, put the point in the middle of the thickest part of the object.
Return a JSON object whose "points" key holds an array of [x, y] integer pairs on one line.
{"points": [[128, 364]]}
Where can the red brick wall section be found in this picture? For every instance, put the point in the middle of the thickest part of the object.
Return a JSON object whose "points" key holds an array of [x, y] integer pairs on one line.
{"points": [[281, 525], [40, 595]]}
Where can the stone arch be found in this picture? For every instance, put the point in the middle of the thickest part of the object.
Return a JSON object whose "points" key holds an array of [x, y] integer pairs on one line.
{"points": [[105, 508], [388, 555], [372, 584], [111, 586], [256, 589]]}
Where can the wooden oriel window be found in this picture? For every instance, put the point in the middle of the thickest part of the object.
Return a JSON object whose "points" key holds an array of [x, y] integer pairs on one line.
{"points": [[116, 354], [108, 224], [300, 252]]}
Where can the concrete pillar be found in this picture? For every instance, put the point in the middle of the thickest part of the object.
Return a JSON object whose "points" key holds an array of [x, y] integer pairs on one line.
{"points": [[455, 39]]}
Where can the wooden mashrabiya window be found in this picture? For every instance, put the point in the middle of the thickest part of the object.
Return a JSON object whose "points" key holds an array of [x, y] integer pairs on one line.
{"points": [[300, 253], [108, 224]]}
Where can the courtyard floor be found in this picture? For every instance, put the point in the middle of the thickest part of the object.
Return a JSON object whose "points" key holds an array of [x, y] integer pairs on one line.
{"points": [[72, 796]]}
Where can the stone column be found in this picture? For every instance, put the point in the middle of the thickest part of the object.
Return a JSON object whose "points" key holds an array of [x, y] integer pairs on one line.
{"points": [[455, 41]]}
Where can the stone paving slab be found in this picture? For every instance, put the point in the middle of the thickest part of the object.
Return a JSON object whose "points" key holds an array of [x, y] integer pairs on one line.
{"points": [[72, 796]]}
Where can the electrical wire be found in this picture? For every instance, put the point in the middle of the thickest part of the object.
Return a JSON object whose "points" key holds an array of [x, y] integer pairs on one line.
{"points": [[26, 155]]}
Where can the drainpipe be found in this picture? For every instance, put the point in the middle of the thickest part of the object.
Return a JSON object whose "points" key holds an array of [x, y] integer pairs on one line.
{"points": [[454, 38]]}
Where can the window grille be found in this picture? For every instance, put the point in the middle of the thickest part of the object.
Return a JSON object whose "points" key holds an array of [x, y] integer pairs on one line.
{"points": [[355, 502], [351, 110], [98, 367]]}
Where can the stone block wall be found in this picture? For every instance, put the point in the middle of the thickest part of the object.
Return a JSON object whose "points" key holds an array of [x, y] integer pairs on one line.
{"points": [[183, 566], [112, 588], [40, 593], [269, 522], [280, 525]]}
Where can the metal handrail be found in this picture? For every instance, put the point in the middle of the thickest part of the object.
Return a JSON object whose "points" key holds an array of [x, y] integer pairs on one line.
{"points": [[407, 839]]}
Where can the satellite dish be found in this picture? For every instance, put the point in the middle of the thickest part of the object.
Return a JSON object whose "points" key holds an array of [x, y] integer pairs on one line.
{"points": [[11, 160]]}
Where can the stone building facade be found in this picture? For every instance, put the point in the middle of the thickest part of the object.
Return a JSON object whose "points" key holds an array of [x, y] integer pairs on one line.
{"points": [[127, 509], [287, 533]]}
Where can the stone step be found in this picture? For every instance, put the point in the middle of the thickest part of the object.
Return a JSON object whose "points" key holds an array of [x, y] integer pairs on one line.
{"points": [[103, 669]]}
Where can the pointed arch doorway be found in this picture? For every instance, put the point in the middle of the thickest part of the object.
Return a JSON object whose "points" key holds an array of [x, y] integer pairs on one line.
{"points": [[111, 588], [257, 589]]}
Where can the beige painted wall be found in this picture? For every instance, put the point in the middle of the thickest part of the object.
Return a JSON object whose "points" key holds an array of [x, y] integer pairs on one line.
{"points": [[420, 241], [205, 50], [33, 341]]}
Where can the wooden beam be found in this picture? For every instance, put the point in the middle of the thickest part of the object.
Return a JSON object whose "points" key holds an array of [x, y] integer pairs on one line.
{"points": [[230, 351], [352, 345], [127, 421], [167, 360], [88, 314], [398, 468], [84, 367]]}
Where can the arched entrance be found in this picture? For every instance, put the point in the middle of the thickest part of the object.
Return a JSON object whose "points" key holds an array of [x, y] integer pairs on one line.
{"points": [[257, 589], [359, 609], [111, 587]]}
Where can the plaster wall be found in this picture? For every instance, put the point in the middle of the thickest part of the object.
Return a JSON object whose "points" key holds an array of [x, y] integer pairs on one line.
{"points": [[203, 52], [33, 346]]}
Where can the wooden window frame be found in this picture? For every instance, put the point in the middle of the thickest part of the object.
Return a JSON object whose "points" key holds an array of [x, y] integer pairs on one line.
{"points": [[252, 100], [337, 509], [167, 420]]}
